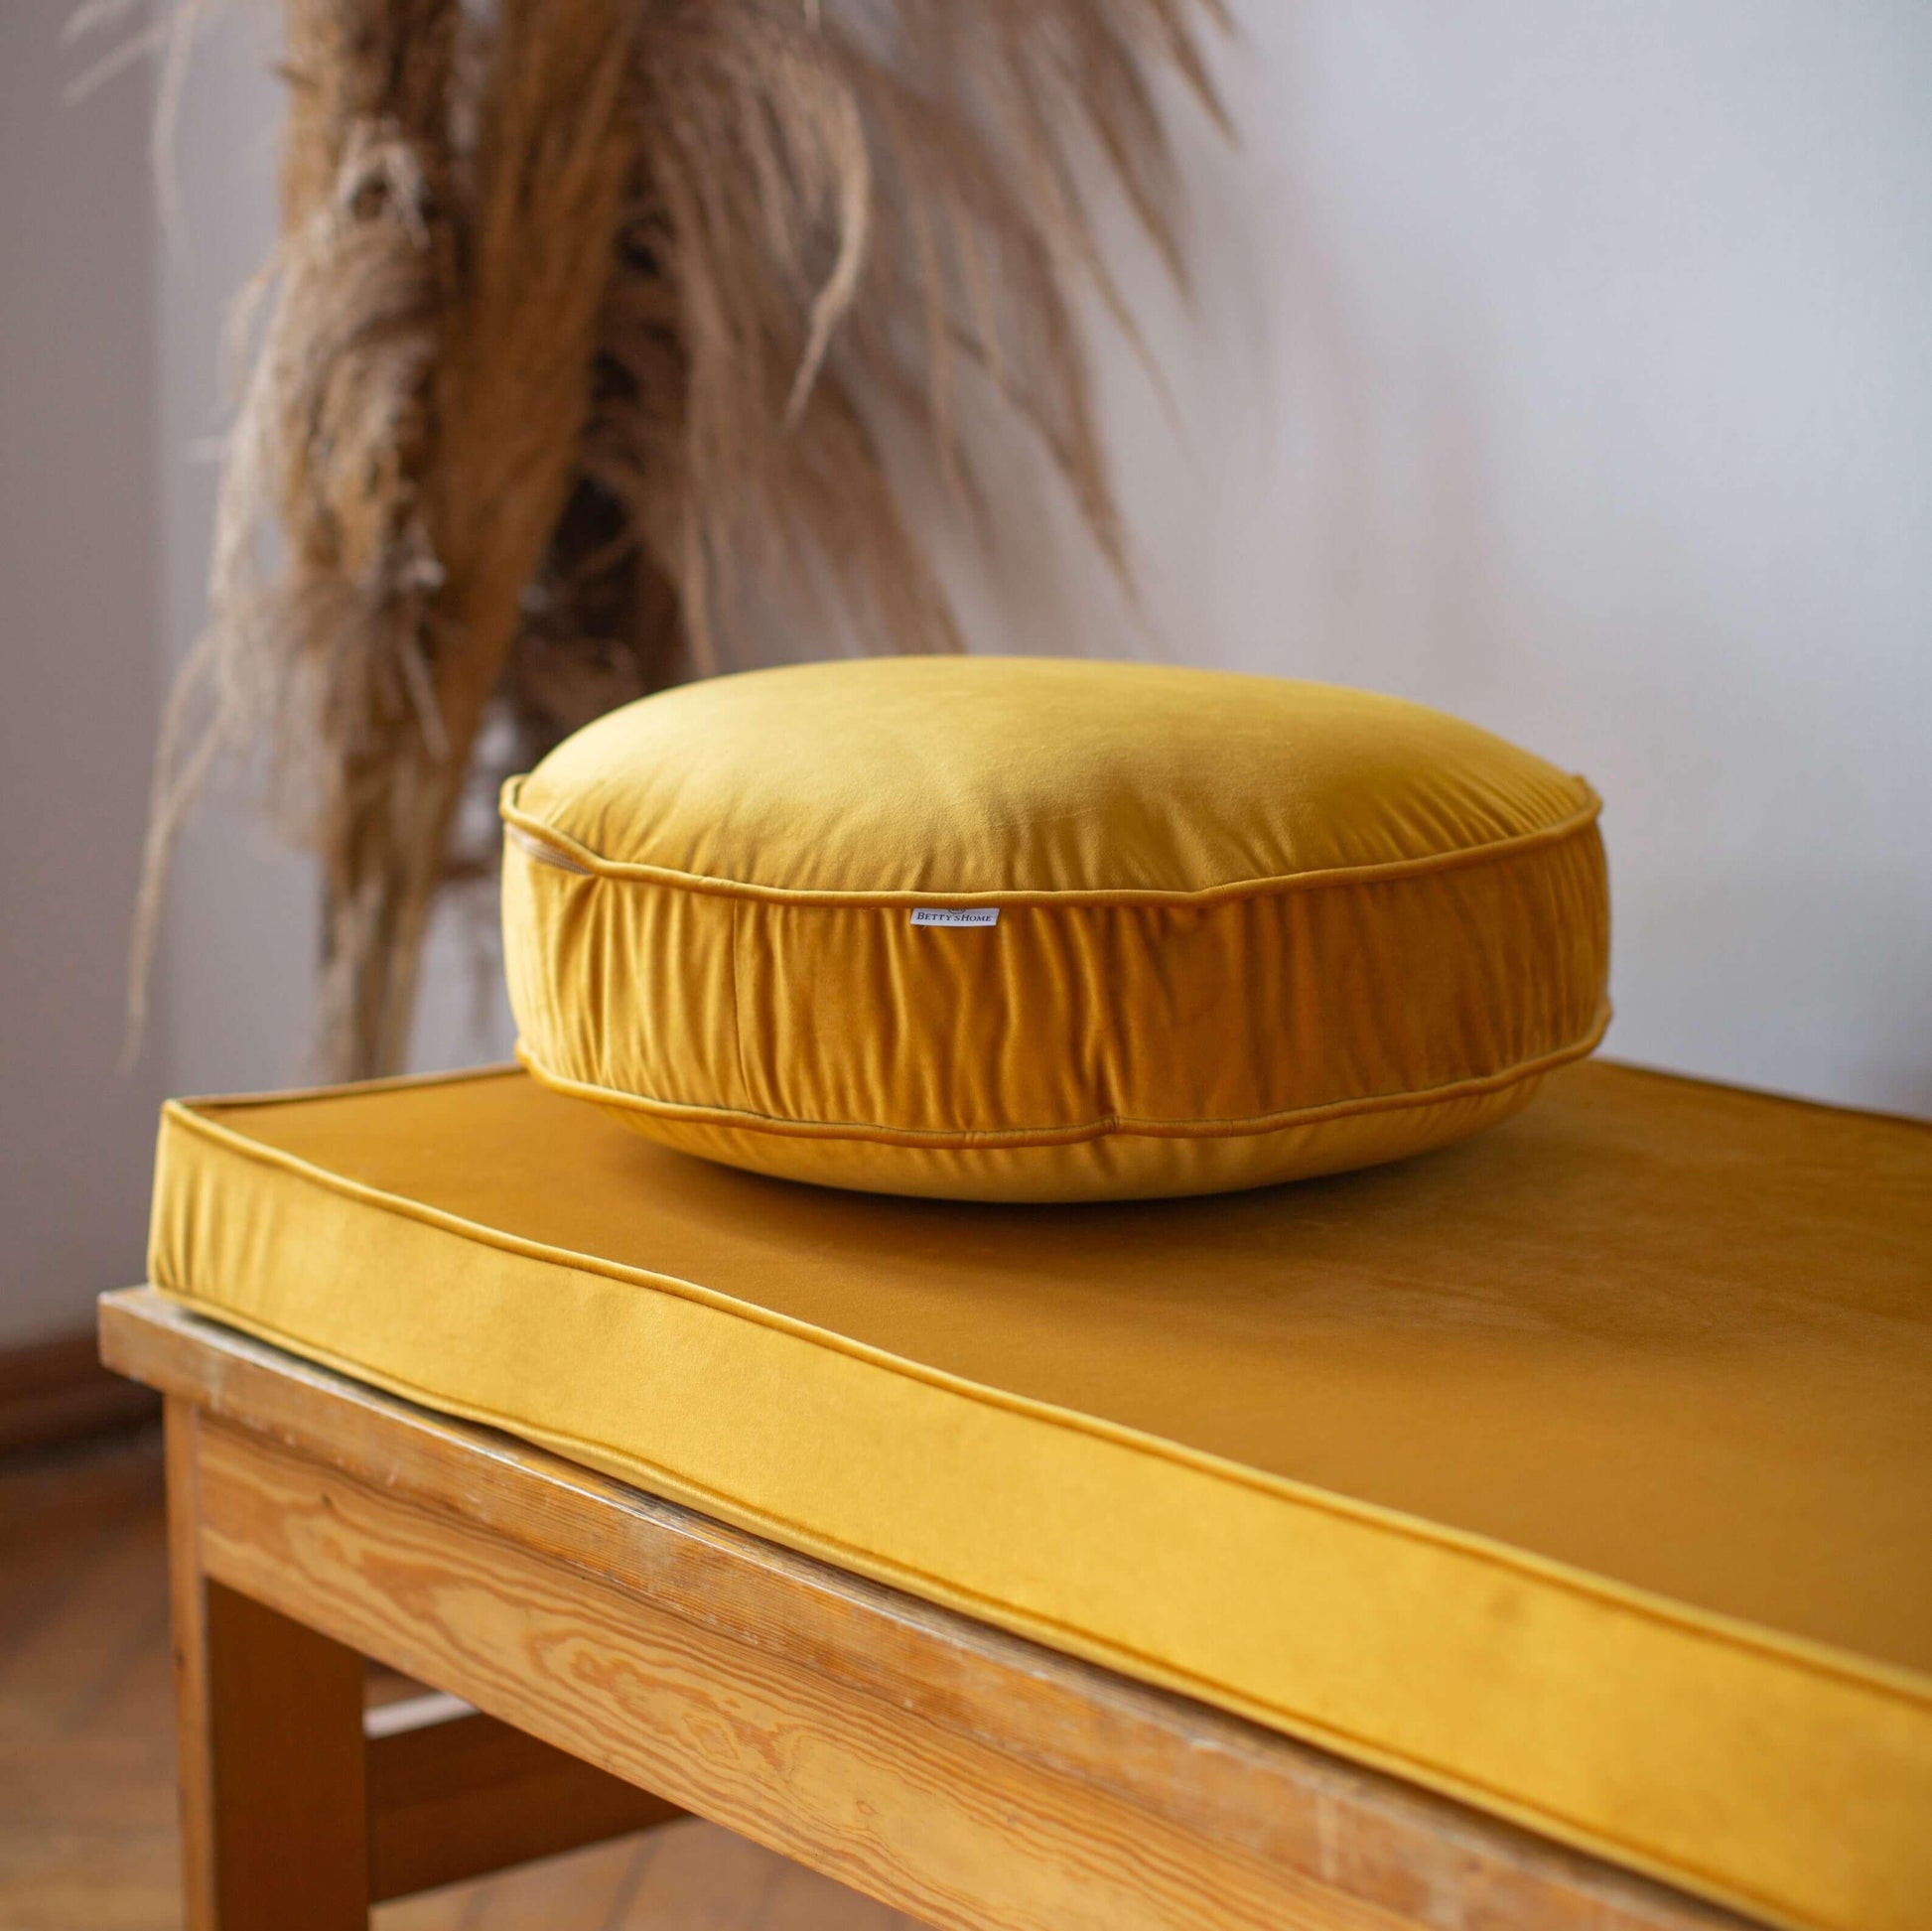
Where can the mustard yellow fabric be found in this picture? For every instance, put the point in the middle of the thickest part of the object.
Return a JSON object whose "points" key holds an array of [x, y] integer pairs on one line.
{"points": [[1248, 930], [1583, 1470]]}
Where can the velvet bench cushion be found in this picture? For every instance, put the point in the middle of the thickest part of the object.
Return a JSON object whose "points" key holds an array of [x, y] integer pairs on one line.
{"points": [[1583, 1470]]}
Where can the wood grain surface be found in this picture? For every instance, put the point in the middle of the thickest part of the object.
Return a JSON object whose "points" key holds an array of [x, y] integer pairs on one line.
{"points": [[954, 1772], [930, 1821], [88, 1834]]}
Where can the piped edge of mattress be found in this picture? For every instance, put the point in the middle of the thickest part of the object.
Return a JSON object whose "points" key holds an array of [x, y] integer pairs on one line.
{"points": [[194, 1114], [1886, 1681]]}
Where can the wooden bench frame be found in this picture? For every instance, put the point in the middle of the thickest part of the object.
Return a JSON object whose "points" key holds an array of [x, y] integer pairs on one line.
{"points": [[627, 1661]]}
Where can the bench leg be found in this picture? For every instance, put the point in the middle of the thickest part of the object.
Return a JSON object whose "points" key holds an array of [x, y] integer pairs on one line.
{"points": [[273, 1777]]}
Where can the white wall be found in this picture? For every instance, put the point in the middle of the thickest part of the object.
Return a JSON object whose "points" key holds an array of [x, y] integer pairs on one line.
{"points": [[239, 940], [77, 557], [1570, 368], [111, 387], [241, 935], [1565, 366]]}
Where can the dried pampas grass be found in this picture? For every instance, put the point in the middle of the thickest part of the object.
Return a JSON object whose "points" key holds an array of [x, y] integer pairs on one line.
{"points": [[588, 330]]}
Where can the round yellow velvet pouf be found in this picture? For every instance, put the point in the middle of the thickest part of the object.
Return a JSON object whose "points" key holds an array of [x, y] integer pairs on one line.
{"points": [[1019, 928]]}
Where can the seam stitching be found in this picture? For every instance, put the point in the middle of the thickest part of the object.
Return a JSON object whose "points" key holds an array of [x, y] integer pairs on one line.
{"points": [[1106, 1126], [1101, 897]]}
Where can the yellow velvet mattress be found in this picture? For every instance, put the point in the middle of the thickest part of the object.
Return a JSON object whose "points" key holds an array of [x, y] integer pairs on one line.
{"points": [[1583, 1470]]}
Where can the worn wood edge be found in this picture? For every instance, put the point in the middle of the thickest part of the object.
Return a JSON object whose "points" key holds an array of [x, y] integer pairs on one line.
{"points": [[1355, 1830], [56, 1392], [462, 1798], [926, 1820]]}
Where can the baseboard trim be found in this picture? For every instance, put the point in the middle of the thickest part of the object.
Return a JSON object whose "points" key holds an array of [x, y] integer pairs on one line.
{"points": [[56, 1392]]}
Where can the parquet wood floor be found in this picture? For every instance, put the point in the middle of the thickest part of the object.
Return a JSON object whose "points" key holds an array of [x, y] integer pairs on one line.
{"points": [[86, 1753]]}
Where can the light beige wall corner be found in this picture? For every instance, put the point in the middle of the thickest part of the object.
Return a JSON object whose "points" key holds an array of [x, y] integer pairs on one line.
{"points": [[77, 677]]}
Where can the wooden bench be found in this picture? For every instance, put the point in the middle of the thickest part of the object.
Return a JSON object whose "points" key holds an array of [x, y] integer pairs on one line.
{"points": [[626, 1661]]}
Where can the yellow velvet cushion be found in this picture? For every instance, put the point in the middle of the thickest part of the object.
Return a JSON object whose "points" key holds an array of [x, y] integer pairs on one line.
{"points": [[1018, 928], [1583, 1471]]}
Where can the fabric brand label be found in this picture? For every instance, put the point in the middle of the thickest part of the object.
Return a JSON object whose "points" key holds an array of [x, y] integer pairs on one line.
{"points": [[955, 915]]}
